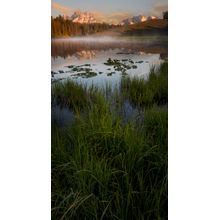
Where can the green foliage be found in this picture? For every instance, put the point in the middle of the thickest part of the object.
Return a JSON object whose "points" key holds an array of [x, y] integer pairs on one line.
{"points": [[104, 168], [165, 15], [75, 96], [148, 92]]}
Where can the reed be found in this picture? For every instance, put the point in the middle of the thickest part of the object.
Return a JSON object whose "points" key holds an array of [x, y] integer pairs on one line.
{"points": [[104, 168]]}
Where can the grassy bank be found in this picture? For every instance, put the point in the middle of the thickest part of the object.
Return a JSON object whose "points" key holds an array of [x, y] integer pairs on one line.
{"points": [[148, 92], [104, 168]]}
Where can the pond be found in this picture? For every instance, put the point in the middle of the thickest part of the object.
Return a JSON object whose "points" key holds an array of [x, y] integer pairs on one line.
{"points": [[103, 60], [100, 60]]}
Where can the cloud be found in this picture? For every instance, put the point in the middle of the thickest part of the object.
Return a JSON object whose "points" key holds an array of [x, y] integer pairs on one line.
{"points": [[61, 9], [158, 10], [114, 18]]}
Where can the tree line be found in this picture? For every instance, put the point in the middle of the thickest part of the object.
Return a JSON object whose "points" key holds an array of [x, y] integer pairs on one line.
{"points": [[61, 27], [165, 15]]}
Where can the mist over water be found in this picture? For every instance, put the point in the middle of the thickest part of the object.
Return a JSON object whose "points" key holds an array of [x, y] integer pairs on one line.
{"points": [[114, 41], [90, 39], [139, 52]]}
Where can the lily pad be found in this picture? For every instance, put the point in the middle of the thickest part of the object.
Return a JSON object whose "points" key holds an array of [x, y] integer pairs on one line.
{"points": [[71, 66], [52, 72], [110, 74]]}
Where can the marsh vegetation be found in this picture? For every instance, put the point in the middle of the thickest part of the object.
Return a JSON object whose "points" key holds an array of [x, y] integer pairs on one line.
{"points": [[110, 162]]}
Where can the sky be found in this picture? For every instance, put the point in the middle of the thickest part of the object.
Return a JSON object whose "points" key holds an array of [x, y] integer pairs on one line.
{"points": [[111, 11]]}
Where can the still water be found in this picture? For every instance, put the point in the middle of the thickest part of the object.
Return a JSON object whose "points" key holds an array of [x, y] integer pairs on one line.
{"points": [[85, 59]]}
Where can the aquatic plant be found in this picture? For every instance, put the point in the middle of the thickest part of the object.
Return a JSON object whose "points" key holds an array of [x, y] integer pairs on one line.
{"points": [[106, 168], [148, 92], [103, 168]]}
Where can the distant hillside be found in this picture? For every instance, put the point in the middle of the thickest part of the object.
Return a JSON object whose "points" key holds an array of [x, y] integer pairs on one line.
{"points": [[147, 27]]}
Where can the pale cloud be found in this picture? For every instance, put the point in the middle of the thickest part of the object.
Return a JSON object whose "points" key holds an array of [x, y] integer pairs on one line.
{"points": [[158, 10], [113, 18], [61, 9]]}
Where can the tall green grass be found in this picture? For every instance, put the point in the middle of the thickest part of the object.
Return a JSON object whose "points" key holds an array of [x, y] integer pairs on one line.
{"points": [[103, 168], [148, 92], [75, 96]]}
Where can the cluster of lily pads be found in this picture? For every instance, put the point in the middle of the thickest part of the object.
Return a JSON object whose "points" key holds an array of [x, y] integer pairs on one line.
{"points": [[120, 66], [85, 71], [82, 71]]}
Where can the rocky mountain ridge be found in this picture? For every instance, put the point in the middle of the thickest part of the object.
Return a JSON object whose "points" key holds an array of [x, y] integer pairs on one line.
{"points": [[137, 19], [89, 18], [81, 17]]}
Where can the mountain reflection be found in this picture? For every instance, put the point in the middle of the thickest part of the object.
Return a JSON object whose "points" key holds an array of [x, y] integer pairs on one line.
{"points": [[85, 54], [88, 50]]}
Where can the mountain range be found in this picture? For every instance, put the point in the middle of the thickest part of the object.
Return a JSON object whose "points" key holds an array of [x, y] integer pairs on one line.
{"points": [[89, 18], [81, 17], [137, 19]]}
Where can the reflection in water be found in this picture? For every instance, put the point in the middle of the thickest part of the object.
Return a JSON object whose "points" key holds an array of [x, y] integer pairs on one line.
{"points": [[85, 54], [87, 58], [67, 47], [61, 116]]}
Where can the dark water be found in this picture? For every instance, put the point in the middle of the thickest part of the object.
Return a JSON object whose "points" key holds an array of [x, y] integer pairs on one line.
{"points": [[61, 116]]}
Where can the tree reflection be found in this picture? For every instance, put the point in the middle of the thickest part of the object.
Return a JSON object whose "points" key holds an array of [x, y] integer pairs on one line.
{"points": [[88, 50]]}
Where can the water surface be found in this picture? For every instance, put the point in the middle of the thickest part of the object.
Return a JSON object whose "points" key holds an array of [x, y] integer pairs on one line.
{"points": [[85, 59], [92, 52]]}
